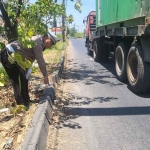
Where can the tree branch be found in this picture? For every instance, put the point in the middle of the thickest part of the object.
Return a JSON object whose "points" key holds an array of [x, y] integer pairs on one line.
{"points": [[20, 3], [48, 19]]}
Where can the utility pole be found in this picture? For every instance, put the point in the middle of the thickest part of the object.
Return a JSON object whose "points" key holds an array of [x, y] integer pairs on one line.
{"points": [[55, 25], [63, 25]]}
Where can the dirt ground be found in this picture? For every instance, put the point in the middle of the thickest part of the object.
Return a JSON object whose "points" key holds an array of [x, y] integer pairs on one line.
{"points": [[13, 128]]}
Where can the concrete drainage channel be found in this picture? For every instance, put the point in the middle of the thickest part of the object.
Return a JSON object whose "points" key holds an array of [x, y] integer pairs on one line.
{"points": [[36, 136]]}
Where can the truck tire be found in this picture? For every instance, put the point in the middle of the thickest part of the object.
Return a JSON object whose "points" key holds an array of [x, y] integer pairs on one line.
{"points": [[138, 71], [100, 53], [90, 53], [97, 53], [121, 60], [94, 51]]}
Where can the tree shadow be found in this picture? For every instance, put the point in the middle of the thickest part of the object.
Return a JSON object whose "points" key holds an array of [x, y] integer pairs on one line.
{"points": [[72, 101], [88, 76]]}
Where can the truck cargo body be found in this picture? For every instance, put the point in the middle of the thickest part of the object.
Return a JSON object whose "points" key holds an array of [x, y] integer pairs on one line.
{"points": [[90, 27], [123, 28], [117, 11], [122, 18]]}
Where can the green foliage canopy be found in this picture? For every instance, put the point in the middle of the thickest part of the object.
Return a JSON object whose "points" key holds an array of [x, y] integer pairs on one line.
{"points": [[79, 35], [73, 31], [22, 19]]}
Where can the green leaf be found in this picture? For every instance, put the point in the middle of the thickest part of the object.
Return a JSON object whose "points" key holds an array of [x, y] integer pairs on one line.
{"points": [[32, 16], [30, 32], [1, 84], [29, 45], [22, 63]]}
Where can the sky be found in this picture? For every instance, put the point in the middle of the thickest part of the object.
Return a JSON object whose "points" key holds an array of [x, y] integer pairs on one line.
{"points": [[88, 5]]}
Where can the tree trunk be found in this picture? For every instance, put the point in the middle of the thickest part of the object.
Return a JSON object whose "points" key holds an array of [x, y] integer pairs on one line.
{"points": [[10, 31], [11, 34], [63, 25]]}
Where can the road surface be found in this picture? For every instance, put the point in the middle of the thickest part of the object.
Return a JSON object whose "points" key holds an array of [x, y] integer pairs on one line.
{"points": [[103, 113]]}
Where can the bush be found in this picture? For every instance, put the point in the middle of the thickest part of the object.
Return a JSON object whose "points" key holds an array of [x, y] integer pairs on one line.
{"points": [[79, 35]]}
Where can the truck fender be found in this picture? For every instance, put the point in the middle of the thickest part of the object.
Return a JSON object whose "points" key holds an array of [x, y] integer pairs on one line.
{"points": [[145, 43]]}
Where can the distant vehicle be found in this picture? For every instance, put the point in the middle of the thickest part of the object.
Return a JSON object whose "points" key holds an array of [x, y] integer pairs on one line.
{"points": [[90, 30], [122, 28]]}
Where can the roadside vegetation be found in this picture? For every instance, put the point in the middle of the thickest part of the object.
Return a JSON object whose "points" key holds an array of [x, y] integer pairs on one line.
{"points": [[51, 56], [14, 125], [18, 20]]}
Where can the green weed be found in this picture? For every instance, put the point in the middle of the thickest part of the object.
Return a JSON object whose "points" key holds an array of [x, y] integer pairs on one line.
{"points": [[4, 79]]}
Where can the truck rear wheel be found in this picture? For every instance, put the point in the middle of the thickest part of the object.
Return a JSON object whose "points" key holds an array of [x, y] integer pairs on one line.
{"points": [[90, 53], [97, 53], [94, 51], [100, 53], [138, 71], [120, 61]]}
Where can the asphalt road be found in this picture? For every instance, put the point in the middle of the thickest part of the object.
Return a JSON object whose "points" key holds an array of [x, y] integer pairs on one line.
{"points": [[103, 114]]}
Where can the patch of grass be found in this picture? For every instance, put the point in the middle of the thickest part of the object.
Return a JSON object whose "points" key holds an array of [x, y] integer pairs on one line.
{"points": [[53, 55], [58, 46]]}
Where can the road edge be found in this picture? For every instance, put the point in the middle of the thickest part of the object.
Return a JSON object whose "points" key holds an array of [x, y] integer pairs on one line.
{"points": [[56, 76]]}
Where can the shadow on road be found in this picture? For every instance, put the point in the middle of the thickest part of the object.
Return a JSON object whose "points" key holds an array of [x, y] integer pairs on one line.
{"points": [[110, 66], [81, 72], [70, 113], [76, 106], [120, 111], [74, 100]]}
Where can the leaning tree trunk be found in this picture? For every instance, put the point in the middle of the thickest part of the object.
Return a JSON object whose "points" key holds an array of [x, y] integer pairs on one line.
{"points": [[10, 29], [11, 34]]}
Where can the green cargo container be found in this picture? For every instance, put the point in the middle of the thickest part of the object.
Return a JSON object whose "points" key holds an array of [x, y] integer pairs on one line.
{"points": [[123, 29], [130, 12]]}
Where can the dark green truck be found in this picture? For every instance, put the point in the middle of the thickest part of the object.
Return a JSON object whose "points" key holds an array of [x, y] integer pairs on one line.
{"points": [[123, 28]]}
